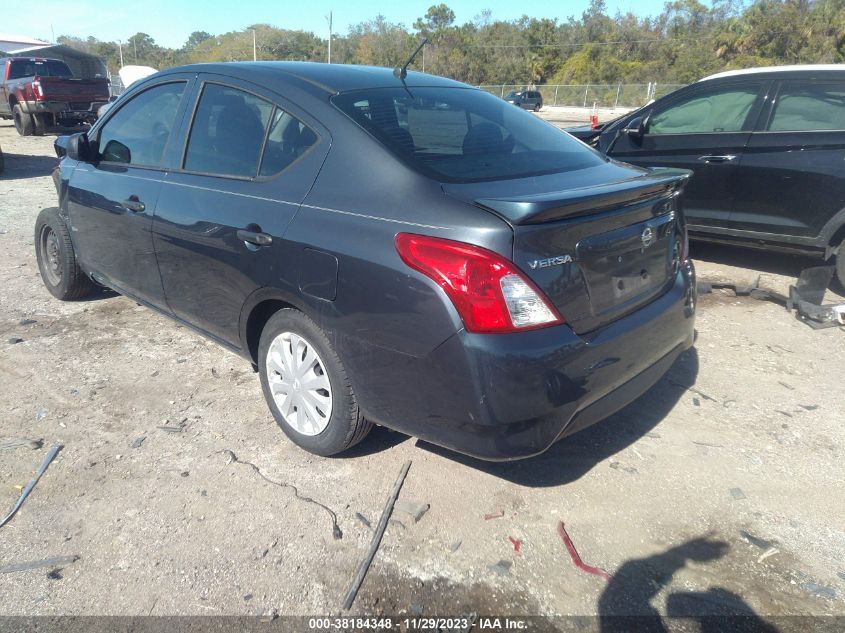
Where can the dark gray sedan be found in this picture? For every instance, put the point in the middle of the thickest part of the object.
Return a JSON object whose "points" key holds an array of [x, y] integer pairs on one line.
{"points": [[414, 253]]}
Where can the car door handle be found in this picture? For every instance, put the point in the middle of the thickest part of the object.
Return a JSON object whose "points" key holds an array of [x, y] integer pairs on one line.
{"points": [[717, 158], [255, 237], [134, 204]]}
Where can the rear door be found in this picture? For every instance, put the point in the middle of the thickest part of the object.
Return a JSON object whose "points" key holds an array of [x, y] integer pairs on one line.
{"points": [[704, 128], [793, 169], [249, 160], [111, 200]]}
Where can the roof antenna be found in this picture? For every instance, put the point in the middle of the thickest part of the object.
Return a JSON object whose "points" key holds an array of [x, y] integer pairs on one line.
{"points": [[400, 72]]}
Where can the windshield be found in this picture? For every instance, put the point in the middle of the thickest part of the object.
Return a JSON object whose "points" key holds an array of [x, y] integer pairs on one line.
{"points": [[41, 67], [464, 134]]}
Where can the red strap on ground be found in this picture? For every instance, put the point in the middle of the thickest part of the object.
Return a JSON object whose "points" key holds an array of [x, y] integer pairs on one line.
{"points": [[573, 554], [517, 544]]}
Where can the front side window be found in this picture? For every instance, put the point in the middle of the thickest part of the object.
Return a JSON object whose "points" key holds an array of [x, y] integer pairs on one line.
{"points": [[228, 132], [137, 133], [463, 135], [712, 112], [806, 106]]}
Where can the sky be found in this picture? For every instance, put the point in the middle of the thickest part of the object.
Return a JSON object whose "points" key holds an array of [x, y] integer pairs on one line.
{"points": [[170, 22]]}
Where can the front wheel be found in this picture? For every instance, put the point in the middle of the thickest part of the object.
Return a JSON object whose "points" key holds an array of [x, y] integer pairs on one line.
{"points": [[306, 386], [57, 263]]}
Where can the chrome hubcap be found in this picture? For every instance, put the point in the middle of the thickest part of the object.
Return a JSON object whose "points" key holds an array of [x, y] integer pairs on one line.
{"points": [[299, 384]]}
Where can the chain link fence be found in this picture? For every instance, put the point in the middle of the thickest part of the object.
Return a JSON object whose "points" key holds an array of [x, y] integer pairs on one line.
{"points": [[586, 95]]}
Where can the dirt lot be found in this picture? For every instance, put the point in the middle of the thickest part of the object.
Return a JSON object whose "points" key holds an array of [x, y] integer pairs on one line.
{"points": [[722, 489]]}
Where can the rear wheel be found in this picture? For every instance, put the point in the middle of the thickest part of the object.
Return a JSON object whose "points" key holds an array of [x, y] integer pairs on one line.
{"points": [[306, 386], [23, 121], [840, 265], [57, 264], [537, 107], [39, 124]]}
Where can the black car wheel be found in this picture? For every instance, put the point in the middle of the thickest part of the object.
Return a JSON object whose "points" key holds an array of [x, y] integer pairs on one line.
{"points": [[23, 121], [56, 260], [537, 107], [39, 124], [306, 386], [840, 265]]}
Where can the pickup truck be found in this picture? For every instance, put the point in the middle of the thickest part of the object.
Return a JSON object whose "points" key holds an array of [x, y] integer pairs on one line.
{"points": [[38, 93]]}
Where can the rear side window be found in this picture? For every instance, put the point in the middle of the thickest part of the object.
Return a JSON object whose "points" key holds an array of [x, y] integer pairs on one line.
{"points": [[228, 132], [287, 140], [41, 67], [711, 112], [137, 133], [805, 106], [463, 135]]}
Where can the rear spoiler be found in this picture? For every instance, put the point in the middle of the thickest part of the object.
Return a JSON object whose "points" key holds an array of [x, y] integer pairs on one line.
{"points": [[557, 205]]}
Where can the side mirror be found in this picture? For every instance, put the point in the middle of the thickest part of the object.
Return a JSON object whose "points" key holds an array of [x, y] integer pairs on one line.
{"points": [[635, 128], [78, 148]]}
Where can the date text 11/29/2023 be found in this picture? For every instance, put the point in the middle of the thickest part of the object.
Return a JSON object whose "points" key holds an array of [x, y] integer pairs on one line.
{"points": [[421, 623]]}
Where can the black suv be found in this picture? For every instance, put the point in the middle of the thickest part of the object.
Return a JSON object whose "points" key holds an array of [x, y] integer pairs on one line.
{"points": [[528, 99], [767, 146]]}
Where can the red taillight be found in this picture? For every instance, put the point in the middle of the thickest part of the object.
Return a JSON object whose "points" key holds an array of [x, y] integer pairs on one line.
{"points": [[36, 88], [489, 292]]}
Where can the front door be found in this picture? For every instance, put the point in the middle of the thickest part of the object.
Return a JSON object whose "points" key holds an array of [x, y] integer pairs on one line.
{"points": [[111, 200], [248, 164], [704, 129]]}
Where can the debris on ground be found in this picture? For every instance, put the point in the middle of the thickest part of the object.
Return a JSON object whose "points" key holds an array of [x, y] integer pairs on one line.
{"points": [[620, 466], [823, 591], [737, 494], [693, 390], [502, 568], [412, 508], [576, 558], [12, 443], [454, 547], [41, 469], [769, 552], [15, 340], [57, 562], [167, 427], [137, 443], [755, 540], [377, 536], [805, 297], [363, 521], [398, 523], [494, 515], [517, 544], [337, 534]]}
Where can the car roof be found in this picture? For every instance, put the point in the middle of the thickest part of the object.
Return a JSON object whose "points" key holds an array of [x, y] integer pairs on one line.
{"points": [[333, 78], [776, 70]]}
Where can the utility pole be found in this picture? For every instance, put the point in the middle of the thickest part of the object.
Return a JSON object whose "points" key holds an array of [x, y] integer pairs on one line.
{"points": [[135, 46], [120, 48], [254, 54], [330, 36]]}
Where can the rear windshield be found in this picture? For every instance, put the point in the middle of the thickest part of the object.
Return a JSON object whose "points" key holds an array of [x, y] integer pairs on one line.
{"points": [[41, 67], [464, 134]]}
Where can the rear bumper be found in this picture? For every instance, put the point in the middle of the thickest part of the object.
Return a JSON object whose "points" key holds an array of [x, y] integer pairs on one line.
{"points": [[62, 108], [511, 396]]}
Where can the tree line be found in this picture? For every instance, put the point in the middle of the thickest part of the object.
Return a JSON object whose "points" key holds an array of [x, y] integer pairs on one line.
{"points": [[684, 42]]}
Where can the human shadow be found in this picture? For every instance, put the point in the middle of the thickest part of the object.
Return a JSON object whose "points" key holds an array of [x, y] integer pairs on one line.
{"points": [[571, 458], [626, 606]]}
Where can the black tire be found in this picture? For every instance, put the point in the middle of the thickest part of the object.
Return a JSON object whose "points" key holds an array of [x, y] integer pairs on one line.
{"points": [[346, 426], [2, 162], [57, 264], [23, 121], [537, 107], [39, 124], [840, 265]]}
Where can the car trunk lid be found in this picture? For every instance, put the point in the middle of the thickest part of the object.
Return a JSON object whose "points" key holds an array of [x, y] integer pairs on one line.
{"points": [[598, 251]]}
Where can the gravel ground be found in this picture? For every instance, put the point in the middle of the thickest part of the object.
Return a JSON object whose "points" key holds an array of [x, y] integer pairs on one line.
{"points": [[720, 489]]}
